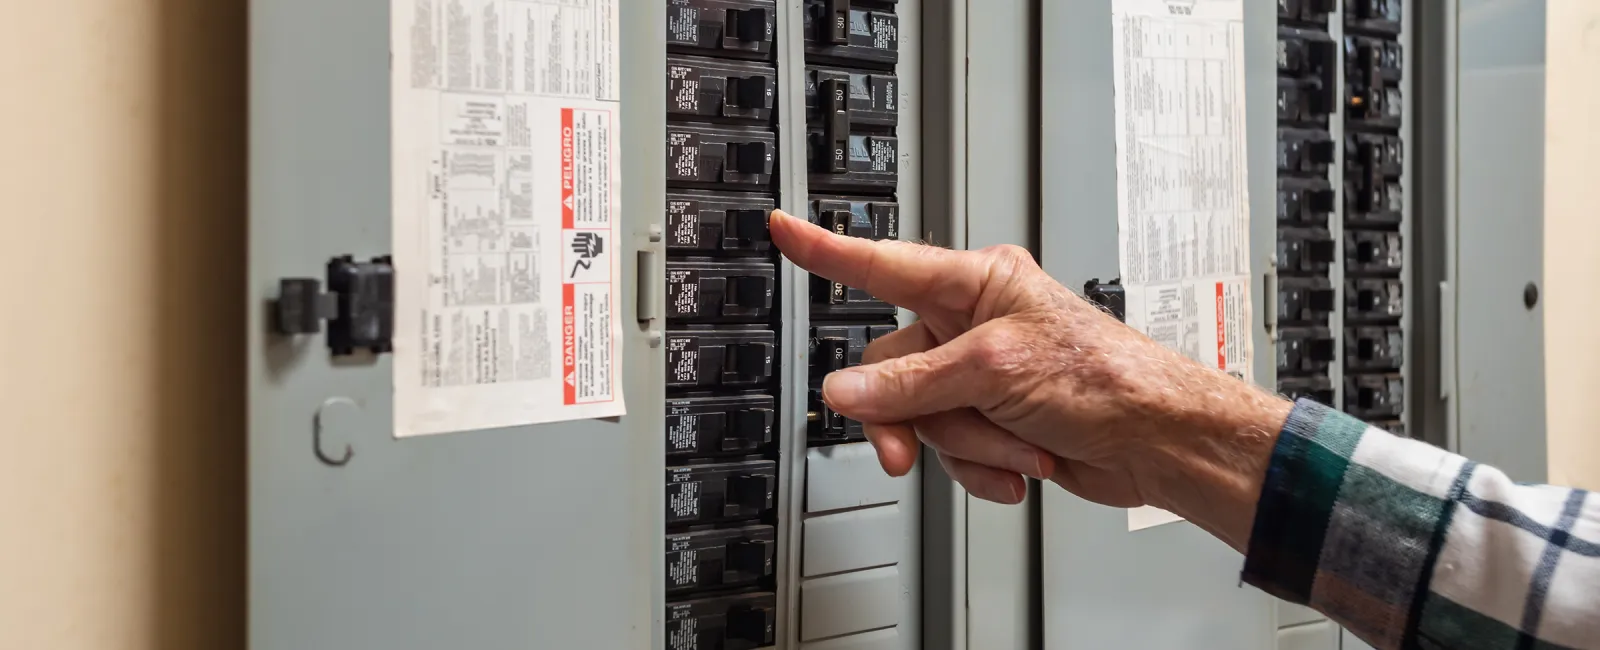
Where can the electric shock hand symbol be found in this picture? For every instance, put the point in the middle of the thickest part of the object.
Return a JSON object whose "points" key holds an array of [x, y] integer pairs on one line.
{"points": [[587, 246]]}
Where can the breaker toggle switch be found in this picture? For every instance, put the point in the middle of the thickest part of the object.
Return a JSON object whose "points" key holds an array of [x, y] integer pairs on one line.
{"points": [[748, 628], [835, 96], [748, 430], [835, 23], [747, 560], [748, 92], [747, 229], [748, 493], [834, 353], [748, 25], [747, 292], [747, 157], [751, 361]]}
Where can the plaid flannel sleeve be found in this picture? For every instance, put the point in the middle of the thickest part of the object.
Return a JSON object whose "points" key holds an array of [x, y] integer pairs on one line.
{"points": [[1409, 546]]}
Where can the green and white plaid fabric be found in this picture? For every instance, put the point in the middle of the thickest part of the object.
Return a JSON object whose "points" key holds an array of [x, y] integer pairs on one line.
{"points": [[1409, 546]]}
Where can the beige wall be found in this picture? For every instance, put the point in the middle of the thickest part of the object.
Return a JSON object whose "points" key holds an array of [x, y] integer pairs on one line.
{"points": [[122, 200], [1572, 235]]}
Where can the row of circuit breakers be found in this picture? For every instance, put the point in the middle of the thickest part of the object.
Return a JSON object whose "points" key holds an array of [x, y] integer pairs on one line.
{"points": [[724, 326], [1310, 98]]}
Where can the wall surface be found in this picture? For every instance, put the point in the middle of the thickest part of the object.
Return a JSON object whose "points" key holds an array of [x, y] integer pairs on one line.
{"points": [[1572, 227], [121, 325]]}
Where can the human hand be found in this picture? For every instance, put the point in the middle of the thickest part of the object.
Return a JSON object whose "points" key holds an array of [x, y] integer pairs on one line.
{"points": [[1007, 373]]}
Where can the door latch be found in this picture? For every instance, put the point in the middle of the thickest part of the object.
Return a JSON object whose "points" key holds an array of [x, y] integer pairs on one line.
{"points": [[358, 306]]}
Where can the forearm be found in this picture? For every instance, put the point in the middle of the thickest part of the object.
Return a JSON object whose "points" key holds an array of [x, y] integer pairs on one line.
{"points": [[1209, 455]]}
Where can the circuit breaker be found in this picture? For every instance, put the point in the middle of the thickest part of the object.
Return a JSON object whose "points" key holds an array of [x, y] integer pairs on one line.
{"points": [[1341, 266], [729, 81], [1342, 218]]}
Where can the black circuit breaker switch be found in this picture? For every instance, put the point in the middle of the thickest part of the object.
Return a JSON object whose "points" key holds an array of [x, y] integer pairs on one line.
{"points": [[1373, 299], [1368, 251], [749, 493], [711, 493], [1374, 348], [719, 559], [835, 97], [826, 425], [739, 622], [701, 88], [365, 316], [752, 92], [748, 25], [1305, 151], [1305, 350], [722, 224], [711, 425], [719, 291], [835, 347], [835, 26], [1316, 389], [1110, 296], [836, 31], [875, 219], [751, 362], [721, 27], [700, 356], [713, 157], [1305, 300], [1305, 202], [1306, 250], [1374, 396]]}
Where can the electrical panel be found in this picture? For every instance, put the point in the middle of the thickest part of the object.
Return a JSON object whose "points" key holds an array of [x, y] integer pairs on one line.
{"points": [[1342, 217], [729, 82]]}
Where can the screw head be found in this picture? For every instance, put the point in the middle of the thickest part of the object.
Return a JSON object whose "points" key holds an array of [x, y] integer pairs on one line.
{"points": [[1530, 295]]}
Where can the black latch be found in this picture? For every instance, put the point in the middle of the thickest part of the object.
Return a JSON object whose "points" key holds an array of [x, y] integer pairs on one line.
{"points": [[1110, 296], [358, 306]]}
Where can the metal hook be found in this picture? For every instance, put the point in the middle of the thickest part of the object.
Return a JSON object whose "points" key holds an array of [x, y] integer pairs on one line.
{"points": [[316, 432]]}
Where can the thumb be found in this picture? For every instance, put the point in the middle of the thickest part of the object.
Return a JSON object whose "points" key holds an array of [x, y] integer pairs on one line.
{"points": [[907, 387]]}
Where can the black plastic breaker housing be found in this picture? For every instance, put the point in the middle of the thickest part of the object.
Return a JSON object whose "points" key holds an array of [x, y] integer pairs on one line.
{"points": [[718, 425], [718, 492]]}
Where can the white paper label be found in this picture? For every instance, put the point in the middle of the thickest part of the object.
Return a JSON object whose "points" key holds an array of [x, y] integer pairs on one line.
{"points": [[1183, 205], [505, 135]]}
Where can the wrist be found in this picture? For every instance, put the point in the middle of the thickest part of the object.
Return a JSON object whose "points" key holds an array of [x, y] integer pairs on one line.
{"points": [[1207, 462]]}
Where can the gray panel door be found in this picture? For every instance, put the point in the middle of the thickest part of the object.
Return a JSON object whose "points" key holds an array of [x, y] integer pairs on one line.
{"points": [[1500, 234], [1173, 586], [528, 537]]}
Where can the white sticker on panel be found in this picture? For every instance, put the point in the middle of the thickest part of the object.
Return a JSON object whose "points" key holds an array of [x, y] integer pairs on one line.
{"points": [[1183, 205], [505, 213]]}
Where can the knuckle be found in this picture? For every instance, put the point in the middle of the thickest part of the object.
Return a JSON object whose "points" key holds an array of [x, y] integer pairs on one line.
{"points": [[999, 352]]}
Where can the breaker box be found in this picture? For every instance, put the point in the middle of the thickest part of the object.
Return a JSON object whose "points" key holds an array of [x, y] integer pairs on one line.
{"points": [[528, 369]]}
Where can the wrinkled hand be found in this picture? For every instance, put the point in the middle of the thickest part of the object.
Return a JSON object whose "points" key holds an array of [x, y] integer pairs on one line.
{"points": [[1008, 374]]}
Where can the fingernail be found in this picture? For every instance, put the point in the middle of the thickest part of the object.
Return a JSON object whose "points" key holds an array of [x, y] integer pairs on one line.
{"points": [[1032, 464], [844, 388], [1016, 490]]}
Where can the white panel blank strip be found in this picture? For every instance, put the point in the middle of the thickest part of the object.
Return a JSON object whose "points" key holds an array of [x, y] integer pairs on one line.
{"points": [[848, 603], [848, 476], [856, 539], [1290, 614], [1311, 636], [875, 640]]}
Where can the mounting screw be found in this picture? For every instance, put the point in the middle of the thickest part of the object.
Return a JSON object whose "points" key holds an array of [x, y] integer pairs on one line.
{"points": [[1530, 295]]}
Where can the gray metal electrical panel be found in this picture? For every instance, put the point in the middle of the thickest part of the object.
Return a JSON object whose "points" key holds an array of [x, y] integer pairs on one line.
{"points": [[727, 508]]}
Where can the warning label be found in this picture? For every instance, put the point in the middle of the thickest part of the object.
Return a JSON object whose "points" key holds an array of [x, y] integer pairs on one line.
{"points": [[504, 215]]}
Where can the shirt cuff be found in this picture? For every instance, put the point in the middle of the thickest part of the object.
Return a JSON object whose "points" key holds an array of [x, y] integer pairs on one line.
{"points": [[1297, 499]]}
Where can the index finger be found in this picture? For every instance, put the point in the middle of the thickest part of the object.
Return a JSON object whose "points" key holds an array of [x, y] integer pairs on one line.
{"points": [[913, 276]]}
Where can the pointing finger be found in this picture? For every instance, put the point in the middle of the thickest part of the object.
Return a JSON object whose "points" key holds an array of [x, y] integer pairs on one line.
{"points": [[913, 276]]}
